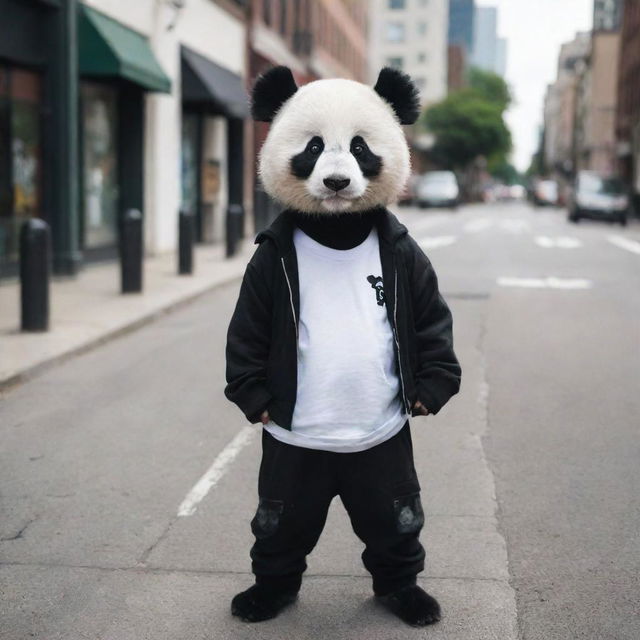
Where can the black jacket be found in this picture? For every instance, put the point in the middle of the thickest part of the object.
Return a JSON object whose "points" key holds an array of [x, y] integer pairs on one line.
{"points": [[262, 337]]}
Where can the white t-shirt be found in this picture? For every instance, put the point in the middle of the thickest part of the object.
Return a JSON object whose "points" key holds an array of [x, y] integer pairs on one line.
{"points": [[347, 394]]}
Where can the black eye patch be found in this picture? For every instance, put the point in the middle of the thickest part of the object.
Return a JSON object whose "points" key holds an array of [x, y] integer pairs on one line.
{"points": [[370, 164], [303, 163]]}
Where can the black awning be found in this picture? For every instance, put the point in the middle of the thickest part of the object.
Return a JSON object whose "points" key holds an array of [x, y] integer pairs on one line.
{"points": [[209, 85]]}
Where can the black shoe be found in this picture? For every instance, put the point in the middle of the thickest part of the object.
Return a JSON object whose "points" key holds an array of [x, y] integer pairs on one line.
{"points": [[261, 602], [413, 605]]}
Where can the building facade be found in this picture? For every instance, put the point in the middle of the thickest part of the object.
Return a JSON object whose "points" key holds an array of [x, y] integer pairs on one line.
{"points": [[461, 24], [489, 51], [628, 103], [560, 106], [411, 35], [112, 105]]}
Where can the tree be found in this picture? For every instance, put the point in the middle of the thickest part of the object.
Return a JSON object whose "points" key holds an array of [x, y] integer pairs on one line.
{"points": [[490, 86], [467, 125]]}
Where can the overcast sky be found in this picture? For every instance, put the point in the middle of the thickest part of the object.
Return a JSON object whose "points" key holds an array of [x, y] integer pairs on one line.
{"points": [[534, 31]]}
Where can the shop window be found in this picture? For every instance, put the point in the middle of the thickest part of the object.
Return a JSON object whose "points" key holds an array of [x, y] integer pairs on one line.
{"points": [[190, 162], [99, 164], [20, 154]]}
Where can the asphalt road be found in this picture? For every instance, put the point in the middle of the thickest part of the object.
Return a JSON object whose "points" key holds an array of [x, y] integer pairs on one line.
{"points": [[127, 481]]}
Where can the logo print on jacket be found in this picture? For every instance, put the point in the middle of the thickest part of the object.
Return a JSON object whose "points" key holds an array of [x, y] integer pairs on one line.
{"points": [[376, 283]]}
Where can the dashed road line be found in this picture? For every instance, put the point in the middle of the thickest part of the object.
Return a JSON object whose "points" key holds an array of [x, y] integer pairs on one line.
{"points": [[545, 283], [625, 243], [437, 241], [215, 471], [562, 242], [478, 224]]}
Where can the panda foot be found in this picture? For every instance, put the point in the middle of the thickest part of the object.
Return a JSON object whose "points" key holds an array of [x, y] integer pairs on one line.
{"points": [[261, 602], [413, 605]]}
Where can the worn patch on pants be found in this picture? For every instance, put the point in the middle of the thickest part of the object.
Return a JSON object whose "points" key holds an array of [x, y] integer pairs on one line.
{"points": [[409, 513], [267, 519]]}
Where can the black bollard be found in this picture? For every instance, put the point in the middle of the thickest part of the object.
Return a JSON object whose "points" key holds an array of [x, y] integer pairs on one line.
{"points": [[35, 257], [234, 227], [185, 243], [131, 252]]}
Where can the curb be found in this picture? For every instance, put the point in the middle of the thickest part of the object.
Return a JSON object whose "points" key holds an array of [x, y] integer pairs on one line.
{"points": [[30, 372]]}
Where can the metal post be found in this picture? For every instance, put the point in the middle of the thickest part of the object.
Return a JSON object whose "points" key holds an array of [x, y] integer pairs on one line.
{"points": [[131, 252], [35, 257], [235, 216], [185, 243]]}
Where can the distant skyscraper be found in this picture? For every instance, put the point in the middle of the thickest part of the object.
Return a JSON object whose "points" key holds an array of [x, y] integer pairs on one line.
{"points": [[461, 19], [489, 51], [607, 15]]}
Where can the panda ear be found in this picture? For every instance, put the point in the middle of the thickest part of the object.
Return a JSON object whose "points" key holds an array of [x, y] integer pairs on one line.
{"points": [[399, 91], [270, 91]]}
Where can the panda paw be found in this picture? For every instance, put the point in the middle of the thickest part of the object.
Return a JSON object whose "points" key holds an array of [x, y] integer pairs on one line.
{"points": [[260, 603], [413, 605]]}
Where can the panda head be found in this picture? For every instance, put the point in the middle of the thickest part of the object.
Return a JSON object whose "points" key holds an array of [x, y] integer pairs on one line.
{"points": [[334, 145]]}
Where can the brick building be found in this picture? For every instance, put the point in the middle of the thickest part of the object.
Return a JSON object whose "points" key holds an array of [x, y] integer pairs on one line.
{"points": [[628, 112]]}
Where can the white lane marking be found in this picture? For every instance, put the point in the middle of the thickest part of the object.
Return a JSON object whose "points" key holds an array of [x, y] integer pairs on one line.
{"points": [[437, 241], [545, 283], [479, 224], [514, 225], [562, 242], [215, 471], [625, 243]]}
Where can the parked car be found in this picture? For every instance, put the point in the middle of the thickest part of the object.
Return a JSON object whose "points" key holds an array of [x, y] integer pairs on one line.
{"points": [[438, 189], [545, 193], [597, 196], [408, 196]]}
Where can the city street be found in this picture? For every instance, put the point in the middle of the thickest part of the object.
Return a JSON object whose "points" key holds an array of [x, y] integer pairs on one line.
{"points": [[128, 481]]}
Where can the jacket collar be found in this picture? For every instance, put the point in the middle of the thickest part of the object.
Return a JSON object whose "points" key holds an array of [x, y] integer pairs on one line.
{"points": [[390, 229]]}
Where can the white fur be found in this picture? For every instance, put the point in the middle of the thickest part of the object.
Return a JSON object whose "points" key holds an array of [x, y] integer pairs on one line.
{"points": [[336, 110]]}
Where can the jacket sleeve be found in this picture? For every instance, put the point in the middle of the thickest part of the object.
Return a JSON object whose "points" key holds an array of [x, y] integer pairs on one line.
{"points": [[249, 340], [438, 371]]}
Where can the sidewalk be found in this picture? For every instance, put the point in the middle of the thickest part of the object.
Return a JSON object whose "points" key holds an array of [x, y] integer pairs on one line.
{"points": [[90, 309]]}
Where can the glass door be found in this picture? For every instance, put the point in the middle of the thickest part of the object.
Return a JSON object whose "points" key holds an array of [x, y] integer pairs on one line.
{"points": [[99, 165]]}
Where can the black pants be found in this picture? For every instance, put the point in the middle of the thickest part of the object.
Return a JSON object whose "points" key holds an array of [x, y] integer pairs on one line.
{"points": [[379, 489]]}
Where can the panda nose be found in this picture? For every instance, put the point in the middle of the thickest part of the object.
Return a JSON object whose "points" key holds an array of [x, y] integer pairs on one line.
{"points": [[336, 182]]}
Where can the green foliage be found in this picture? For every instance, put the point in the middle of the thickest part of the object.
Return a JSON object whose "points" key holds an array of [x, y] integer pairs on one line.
{"points": [[490, 86], [467, 125]]}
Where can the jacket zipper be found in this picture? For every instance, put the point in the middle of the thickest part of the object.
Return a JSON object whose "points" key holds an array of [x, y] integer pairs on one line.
{"points": [[293, 311], [395, 335]]}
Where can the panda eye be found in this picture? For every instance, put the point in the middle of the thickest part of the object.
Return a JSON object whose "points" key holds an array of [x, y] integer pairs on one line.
{"points": [[357, 149], [315, 149], [315, 146]]}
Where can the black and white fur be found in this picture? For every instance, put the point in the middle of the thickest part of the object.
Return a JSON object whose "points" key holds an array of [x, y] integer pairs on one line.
{"points": [[334, 145]]}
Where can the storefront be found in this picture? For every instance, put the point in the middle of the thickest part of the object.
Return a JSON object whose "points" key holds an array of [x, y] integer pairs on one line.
{"points": [[116, 68], [214, 105]]}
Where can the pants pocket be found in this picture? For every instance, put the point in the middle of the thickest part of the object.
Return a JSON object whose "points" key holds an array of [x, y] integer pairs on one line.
{"points": [[409, 516], [267, 519]]}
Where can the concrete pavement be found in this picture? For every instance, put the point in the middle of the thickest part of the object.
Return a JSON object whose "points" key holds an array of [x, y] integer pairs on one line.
{"points": [[97, 454], [89, 308]]}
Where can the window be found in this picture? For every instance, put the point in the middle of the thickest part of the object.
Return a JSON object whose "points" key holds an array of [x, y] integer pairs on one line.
{"points": [[422, 57], [395, 32], [422, 28], [20, 154], [99, 163], [397, 4], [396, 62], [420, 82]]}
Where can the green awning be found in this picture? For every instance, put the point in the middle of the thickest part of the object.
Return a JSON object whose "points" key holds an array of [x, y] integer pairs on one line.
{"points": [[109, 49]]}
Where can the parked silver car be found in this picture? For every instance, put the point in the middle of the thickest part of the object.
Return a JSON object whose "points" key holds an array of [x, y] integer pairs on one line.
{"points": [[437, 189], [596, 196]]}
